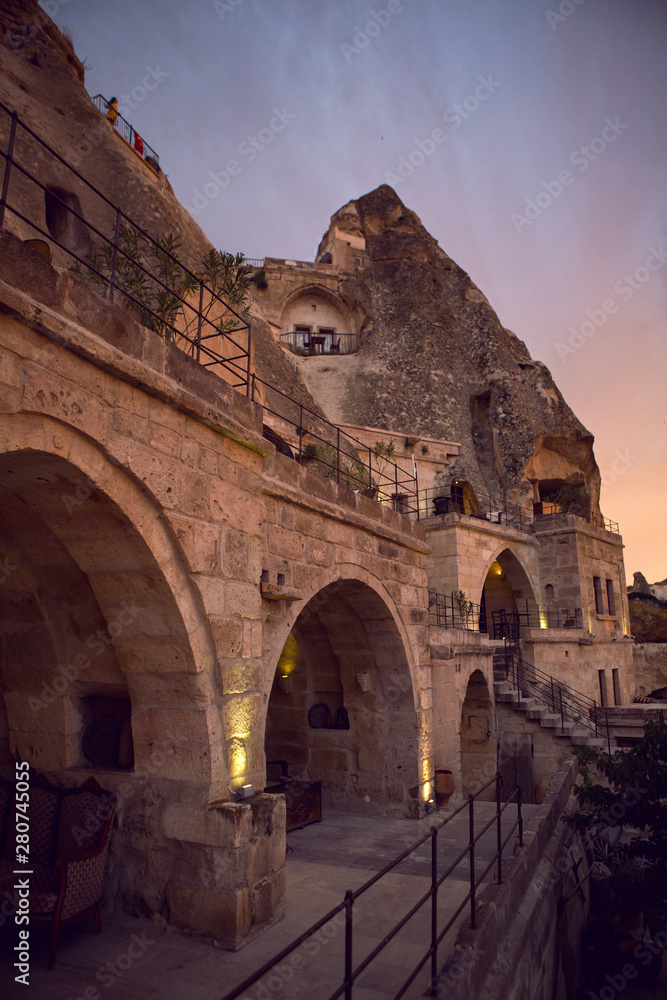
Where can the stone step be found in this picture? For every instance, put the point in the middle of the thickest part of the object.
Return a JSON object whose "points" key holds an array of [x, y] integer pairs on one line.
{"points": [[510, 697], [525, 703], [536, 712], [501, 687], [550, 721], [580, 737]]}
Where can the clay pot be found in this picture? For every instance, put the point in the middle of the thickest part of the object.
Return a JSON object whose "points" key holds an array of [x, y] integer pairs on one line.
{"points": [[444, 787]]}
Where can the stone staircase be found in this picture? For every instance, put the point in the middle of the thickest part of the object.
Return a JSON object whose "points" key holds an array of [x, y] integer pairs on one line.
{"points": [[535, 708]]}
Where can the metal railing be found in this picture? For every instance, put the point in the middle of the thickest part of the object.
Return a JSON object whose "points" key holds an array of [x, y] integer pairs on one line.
{"points": [[230, 353], [307, 344], [315, 441], [350, 972], [437, 501], [448, 611], [126, 131], [564, 701], [545, 512], [508, 624]]}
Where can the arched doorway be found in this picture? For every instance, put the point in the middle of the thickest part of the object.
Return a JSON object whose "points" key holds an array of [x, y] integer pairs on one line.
{"points": [[508, 601], [477, 737], [98, 622], [342, 708]]}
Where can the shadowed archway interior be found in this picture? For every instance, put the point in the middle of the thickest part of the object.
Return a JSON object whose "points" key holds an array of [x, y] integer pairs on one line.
{"points": [[342, 712]]}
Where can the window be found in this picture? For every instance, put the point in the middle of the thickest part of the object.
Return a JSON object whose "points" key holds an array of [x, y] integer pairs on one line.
{"points": [[611, 600], [599, 599]]}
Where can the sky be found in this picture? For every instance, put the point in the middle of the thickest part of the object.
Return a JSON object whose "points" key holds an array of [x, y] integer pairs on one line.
{"points": [[530, 138]]}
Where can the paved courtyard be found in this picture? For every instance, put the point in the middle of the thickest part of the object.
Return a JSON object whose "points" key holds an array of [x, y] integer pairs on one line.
{"points": [[147, 961]]}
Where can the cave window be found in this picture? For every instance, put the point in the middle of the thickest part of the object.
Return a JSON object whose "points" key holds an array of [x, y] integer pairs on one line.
{"points": [[599, 599], [549, 592], [60, 207]]}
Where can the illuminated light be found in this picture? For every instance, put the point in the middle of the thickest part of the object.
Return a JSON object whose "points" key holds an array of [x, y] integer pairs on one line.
{"points": [[427, 791], [544, 621], [238, 758], [290, 658]]}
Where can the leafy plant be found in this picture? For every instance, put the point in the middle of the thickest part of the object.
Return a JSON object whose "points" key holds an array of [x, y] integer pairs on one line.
{"points": [[627, 790], [570, 497], [384, 452], [648, 621], [155, 282], [464, 605]]}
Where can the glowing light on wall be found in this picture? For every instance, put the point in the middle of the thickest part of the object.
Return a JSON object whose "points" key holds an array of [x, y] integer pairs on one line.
{"points": [[544, 620], [238, 758], [290, 658], [427, 785]]}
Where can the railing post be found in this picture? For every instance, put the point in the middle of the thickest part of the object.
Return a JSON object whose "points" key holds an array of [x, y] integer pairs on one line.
{"points": [[8, 166], [519, 816], [300, 428], [252, 390], [247, 365], [471, 828], [199, 318], [349, 900], [114, 260], [562, 720], [499, 836], [338, 454], [434, 908]]}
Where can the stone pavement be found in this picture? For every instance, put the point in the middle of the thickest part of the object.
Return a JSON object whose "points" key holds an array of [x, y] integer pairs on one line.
{"points": [[151, 962]]}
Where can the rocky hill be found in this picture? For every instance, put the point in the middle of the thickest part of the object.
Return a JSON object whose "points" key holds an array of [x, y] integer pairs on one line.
{"points": [[435, 360]]}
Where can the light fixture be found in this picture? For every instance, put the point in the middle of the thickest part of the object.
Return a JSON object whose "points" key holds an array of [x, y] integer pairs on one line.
{"points": [[364, 681], [285, 683]]}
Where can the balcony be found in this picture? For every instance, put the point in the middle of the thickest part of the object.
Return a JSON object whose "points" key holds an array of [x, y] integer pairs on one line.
{"points": [[307, 344]]}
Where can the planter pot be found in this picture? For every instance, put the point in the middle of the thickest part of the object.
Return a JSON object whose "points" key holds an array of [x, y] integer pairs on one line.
{"points": [[442, 505], [444, 787]]}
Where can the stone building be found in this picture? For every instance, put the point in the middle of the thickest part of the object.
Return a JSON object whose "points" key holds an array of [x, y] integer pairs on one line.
{"points": [[170, 560]]}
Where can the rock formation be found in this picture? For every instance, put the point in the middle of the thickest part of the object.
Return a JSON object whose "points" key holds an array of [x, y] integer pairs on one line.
{"points": [[435, 360]]}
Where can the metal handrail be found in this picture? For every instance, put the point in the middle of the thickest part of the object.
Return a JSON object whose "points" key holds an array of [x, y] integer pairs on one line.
{"points": [[437, 501], [350, 972], [237, 363], [571, 705], [127, 131], [306, 344], [597, 520], [349, 461]]}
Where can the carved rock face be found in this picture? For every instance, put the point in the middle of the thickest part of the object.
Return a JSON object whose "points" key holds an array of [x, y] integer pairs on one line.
{"points": [[435, 360]]}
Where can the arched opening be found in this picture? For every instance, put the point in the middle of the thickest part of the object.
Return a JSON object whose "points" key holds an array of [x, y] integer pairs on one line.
{"points": [[477, 737], [342, 710], [90, 630], [508, 601], [316, 321], [463, 499]]}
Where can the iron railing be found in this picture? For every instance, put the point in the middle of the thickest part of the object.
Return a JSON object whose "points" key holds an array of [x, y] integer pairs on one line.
{"points": [[313, 440], [437, 501], [350, 972], [305, 344], [545, 512], [508, 624], [448, 611], [232, 347], [571, 705], [127, 132]]}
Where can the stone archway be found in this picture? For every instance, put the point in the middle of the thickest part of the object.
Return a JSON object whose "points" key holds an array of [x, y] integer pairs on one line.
{"points": [[477, 737], [365, 748], [508, 597]]}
